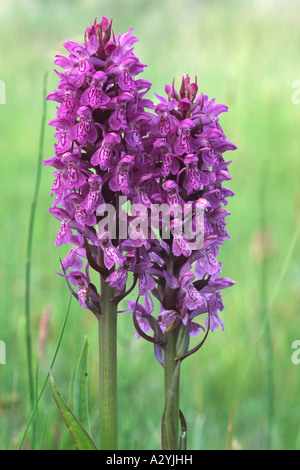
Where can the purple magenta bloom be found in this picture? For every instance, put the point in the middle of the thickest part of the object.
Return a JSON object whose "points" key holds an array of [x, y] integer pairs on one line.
{"points": [[94, 197], [112, 255], [73, 260], [84, 130], [119, 277], [104, 156], [121, 179], [182, 142], [101, 126], [118, 119], [94, 96], [206, 264], [170, 163], [193, 298], [194, 179]]}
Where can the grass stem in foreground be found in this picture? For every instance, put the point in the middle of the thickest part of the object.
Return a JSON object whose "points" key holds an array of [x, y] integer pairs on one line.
{"points": [[28, 255]]}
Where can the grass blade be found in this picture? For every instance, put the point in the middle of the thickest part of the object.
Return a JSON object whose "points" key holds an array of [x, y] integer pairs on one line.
{"points": [[80, 437], [29, 250], [46, 378]]}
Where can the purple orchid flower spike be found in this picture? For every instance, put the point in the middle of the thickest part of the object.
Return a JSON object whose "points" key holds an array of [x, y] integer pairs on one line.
{"points": [[187, 171], [101, 127]]}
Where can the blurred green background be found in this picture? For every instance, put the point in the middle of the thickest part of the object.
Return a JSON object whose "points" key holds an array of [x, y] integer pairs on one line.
{"points": [[241, 390]]}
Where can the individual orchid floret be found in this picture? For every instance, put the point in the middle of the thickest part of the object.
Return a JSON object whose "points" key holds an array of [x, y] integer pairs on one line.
{"points": [[118, 119], [166, 123], [68, 95], [195, 178], [74, 259], [209, 110], [104, 155], [170, 163], [182, 142], [174, 200], [192, 298], [65, 233], [94, 197], [118, 278], [84, 130], [85, 291], [74, 202], [112, 255], [80, 57], [121, 178], [94, 96], [206, 264]]}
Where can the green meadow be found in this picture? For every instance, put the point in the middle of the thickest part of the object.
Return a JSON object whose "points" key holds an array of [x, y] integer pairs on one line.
{"points": [[241, 390]]}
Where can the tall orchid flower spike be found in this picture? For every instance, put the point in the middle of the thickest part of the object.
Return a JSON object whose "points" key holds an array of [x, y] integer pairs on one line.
{"points": [[188, 170], [97, 154]]}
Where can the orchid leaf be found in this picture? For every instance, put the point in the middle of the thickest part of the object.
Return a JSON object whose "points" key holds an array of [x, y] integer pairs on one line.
{"points": [[80, 437], [183, 432]]}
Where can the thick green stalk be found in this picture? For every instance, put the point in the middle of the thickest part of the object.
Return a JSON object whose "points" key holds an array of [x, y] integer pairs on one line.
{"points": [[107, 324], [169, 361]]}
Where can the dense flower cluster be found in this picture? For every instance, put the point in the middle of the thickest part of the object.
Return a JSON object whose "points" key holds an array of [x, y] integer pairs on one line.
{"points": [[189, 145], [112, 142], [186, 168], [100, 124]]}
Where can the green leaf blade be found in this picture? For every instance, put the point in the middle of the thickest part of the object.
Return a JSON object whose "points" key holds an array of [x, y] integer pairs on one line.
{"points": [[80, 437]]}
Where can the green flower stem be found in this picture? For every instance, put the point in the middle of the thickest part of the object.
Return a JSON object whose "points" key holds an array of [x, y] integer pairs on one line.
{"points": [[169, 361], [107, 324]]}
